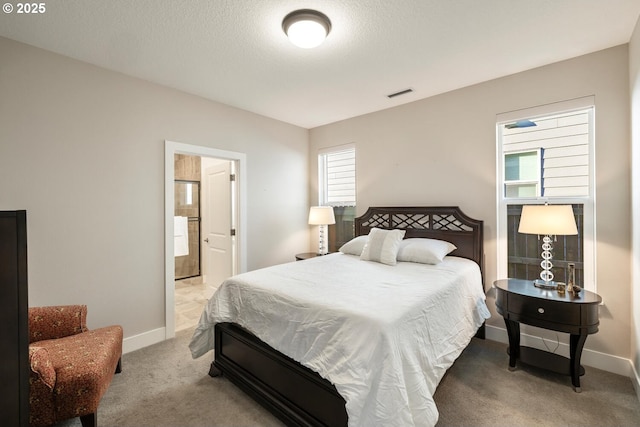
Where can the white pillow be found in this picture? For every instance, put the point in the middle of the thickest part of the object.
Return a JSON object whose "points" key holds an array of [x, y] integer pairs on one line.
{"points": [[382, 246], [424, 251], [354, 246]]}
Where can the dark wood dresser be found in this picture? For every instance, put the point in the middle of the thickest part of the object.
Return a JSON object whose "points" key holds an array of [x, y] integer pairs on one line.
{"points": [[14, 338]]}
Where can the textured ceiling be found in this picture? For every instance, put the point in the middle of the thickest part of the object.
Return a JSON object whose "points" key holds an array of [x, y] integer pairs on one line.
{"points": [[234, 51]]}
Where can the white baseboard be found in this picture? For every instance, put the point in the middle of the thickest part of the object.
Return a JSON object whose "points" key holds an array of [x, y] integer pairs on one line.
{"points": [[142, 340], [606, 362]]}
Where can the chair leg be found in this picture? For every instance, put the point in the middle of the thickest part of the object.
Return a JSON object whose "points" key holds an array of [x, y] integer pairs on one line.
{"points": [[119, 366], [89, 420]]}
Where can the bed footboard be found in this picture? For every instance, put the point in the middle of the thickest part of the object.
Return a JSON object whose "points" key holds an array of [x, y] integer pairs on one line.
{"points": [[292, 392]]}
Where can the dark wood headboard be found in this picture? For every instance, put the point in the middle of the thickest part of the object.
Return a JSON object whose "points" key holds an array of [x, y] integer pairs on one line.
{"points": [[434, 222]]}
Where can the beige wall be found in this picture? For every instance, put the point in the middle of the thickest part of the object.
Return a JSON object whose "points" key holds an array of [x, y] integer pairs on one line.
{"points": [[442, 151], [82, 150], [634, 79]]}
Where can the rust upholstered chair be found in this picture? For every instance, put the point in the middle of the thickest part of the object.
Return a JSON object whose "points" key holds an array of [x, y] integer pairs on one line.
{"points": [[71, 366]]}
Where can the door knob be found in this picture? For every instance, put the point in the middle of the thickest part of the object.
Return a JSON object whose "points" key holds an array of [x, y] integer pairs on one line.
{"points": [[206, 240]]}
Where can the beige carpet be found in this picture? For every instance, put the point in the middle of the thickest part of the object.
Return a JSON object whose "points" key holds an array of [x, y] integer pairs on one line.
{"points": [[479, 390], [162, 386]]}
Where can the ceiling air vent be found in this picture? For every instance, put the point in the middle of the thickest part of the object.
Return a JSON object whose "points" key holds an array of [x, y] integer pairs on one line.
{"points": [[402, 92]]}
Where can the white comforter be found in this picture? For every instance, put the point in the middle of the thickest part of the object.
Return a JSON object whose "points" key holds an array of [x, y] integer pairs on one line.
{"points": [[383, 335]]}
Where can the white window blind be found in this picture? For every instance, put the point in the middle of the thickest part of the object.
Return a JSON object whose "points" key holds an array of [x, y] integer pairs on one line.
{"points": [[338, 177]]}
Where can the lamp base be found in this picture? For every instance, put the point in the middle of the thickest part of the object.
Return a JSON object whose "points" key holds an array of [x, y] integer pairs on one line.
{"points": [[539, 283]]}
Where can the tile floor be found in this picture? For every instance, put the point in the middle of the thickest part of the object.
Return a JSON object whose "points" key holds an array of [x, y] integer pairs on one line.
{"points": [[190, 298]]}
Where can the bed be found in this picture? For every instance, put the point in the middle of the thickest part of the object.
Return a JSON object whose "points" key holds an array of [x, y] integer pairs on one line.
{"points": [[336, 341]]}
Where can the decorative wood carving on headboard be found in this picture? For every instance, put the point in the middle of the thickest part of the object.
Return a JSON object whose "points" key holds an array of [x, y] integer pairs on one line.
{"points": [[435, 222]]}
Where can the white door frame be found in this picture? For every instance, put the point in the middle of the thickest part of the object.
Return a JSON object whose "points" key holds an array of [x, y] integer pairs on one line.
{"points": [[172, 148]]}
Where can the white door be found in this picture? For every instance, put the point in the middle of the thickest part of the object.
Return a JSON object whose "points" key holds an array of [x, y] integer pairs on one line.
{"points": [[218, 241]]}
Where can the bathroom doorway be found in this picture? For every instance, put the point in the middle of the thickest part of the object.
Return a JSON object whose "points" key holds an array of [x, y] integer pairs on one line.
{"points": [[204, 232], [204, 222]]}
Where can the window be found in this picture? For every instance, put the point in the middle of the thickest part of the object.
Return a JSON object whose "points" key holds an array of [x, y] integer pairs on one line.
{"points": [[524, 250], [545, 155], [337, 188], [522, 174]]}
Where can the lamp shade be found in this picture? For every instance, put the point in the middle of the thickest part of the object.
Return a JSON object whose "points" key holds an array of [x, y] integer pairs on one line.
{"points": [[321, 215], [548, 220]]}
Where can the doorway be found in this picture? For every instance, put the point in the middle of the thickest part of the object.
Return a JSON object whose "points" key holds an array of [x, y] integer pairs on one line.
{"points": [[222, 238]]}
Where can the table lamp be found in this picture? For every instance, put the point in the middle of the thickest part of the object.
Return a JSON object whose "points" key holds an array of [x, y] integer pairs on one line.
{"points": [[321, 216], [548, 221]]}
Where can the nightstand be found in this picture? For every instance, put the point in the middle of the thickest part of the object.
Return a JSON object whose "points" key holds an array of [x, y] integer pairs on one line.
{"points": [[306, 255], [518, 301]]}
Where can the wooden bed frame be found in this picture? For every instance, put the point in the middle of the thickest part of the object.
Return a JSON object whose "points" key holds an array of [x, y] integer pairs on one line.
{"points": [[295, 394]]}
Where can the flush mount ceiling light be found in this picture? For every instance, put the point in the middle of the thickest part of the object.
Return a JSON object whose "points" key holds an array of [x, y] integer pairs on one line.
{"points": [[306, 28]]}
